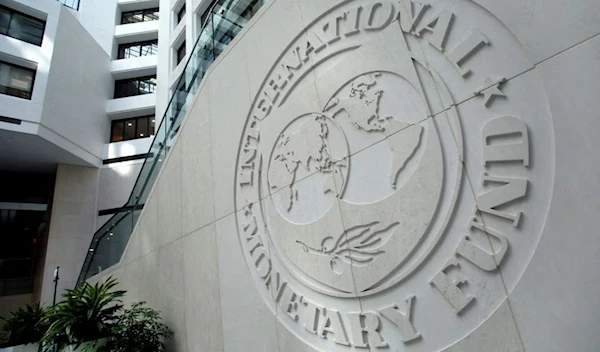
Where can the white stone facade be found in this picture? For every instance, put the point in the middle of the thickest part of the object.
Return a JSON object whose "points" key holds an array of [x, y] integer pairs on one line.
{"points": [[65, 127], [451, 211]]}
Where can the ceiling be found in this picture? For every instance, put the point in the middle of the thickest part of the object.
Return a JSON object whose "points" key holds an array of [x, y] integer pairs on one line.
{"points": [[22, 152]]}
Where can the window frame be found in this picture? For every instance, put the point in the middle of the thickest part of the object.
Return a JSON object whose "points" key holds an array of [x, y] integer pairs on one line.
{"points": [[122, 47], [12, 13], [29, 93], [181, 14], [149, 131], [144, 13], [137, 81], [179, 56]]}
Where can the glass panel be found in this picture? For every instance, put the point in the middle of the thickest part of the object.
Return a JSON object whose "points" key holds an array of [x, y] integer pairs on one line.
{"points": [[181, 14], [125, 88], [132, 17], [132, 51], [26, 29], [181, 52], [146, 50], [74, 4], [122, 52], [107, 248], [137, 49], [117, 131], [204, 17], [142, 128], [147, 86], [152, 125], [125, 18], [135, 86], [16, 81], [225, 21], [5, 16], [137, 17], [129, 130], [153, 161], [151, 15]]}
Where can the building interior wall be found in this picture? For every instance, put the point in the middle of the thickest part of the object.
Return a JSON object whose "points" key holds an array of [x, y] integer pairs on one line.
{"points": [[185, 258], [79, 85], [72, 225]]}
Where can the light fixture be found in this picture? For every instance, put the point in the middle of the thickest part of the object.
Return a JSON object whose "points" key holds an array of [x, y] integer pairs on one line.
{"points": [[141, 135], [129, 124]]}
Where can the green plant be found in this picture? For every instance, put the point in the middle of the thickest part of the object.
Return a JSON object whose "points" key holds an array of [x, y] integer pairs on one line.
{"points": [[87, 313], [24, 326], [3, 339], [138, 329]]}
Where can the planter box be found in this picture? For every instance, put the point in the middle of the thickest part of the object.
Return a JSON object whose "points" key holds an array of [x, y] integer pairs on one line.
{"points": [[34, 348], [21, 348]]}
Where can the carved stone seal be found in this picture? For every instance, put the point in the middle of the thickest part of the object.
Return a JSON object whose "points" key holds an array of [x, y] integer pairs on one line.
{"points": [[382, 186]]}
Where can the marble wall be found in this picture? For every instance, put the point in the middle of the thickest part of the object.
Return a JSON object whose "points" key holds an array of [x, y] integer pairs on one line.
{"points": [[348, 181], [72, 225]]}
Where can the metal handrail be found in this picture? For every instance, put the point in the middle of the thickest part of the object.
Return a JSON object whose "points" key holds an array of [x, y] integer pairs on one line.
{"points": [[144, 181]]}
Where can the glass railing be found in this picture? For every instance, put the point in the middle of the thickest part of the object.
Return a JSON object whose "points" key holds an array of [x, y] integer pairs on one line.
{"points": [[225, 20]]}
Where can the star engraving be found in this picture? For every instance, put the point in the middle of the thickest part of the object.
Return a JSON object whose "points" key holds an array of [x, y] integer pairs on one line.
{"points": [[247, 208], [490, 90]]}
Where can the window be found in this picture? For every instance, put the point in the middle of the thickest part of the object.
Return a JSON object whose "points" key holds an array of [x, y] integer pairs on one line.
{"points": [[135, 86], [181, 53], [20, 26], [17, 251], [134, 128], [16, 81], [181, 14], [139, 16], [204, 17], [130, 50], [74, 4]]}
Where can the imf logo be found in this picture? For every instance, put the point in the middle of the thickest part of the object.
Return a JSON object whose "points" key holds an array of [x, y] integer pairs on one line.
{"points": [[384, 173]]}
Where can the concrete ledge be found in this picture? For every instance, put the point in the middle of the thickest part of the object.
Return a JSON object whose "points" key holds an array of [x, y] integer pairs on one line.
{"points": [[127, 148], [134, 67], [133, 5], [136, 32], [123, 108]]}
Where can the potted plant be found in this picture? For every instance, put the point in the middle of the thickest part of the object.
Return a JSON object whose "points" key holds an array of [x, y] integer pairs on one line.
{"points": [[138, 329], [24, 326], [85, 317]]}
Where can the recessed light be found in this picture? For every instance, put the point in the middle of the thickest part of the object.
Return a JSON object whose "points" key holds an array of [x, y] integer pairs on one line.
{"points": [[141, 135], [129, 124]]}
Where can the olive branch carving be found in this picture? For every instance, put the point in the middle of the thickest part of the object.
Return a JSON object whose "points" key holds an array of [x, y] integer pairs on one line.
{"points": [[358, 246]]}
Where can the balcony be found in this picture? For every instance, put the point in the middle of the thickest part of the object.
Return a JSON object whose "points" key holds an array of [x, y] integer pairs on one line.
{"points": [[132, 5], [134, 67], [136, 32], [122, 108]]}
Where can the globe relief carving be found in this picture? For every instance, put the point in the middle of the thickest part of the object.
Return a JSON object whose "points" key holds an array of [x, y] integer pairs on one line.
{"points": [[360, 224]]}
